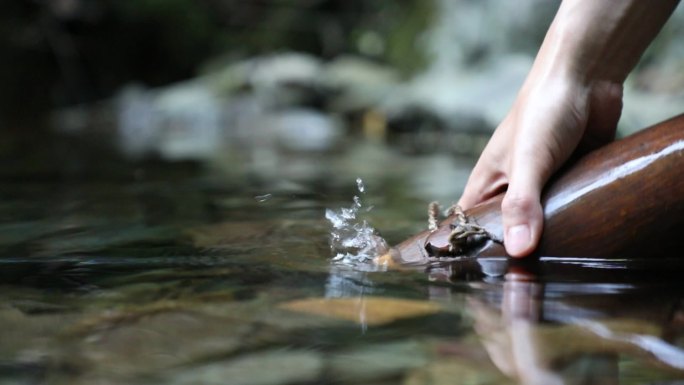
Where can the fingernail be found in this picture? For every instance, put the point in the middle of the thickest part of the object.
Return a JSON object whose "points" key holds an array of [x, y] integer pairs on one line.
{"points": [[517, 239]]}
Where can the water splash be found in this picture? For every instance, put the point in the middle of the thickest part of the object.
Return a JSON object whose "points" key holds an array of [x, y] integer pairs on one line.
{"points": [[359, 184], [352, 239]]}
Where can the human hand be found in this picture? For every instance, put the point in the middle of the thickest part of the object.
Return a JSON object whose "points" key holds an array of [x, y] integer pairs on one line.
{"points": [[570, 102], [552, 118]]}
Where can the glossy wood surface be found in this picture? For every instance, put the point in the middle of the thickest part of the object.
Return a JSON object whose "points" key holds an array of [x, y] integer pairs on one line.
{"points": [[624, 200]]}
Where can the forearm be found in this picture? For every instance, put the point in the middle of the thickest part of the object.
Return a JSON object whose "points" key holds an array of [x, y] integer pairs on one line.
{"points": [[571, 101], [601, 40]]}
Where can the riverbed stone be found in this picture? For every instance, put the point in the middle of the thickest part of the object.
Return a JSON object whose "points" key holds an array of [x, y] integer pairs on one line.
{"points": [[28, 338], [378, 361], [367, 310], [272, 367], [456, 371], [160, 339]]}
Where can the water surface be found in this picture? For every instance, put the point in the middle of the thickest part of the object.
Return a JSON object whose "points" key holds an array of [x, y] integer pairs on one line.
{"points": [[148, 272]]}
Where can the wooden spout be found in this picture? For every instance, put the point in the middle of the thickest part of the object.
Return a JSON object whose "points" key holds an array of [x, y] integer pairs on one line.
{"points": [[624, 200]]}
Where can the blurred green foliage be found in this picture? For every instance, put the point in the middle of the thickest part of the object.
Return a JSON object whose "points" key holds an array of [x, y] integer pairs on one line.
{"points": [[65, 52]]}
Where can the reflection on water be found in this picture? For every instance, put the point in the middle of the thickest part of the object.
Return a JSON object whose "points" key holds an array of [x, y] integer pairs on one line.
{"points": [[548, 333], [114, 272]]}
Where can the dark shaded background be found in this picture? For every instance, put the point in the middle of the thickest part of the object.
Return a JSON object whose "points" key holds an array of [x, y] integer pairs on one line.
{"points": [[64, 52]]}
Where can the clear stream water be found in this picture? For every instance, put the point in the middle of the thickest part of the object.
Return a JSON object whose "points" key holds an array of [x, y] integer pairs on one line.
{"points": [[120, 272]]}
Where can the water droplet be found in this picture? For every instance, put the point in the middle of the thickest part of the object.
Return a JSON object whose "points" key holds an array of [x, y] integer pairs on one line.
{"points": [[359, 184], [263, 198], [357, 202]]}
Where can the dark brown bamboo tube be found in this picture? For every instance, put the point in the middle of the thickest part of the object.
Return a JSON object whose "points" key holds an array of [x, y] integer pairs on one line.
{"points": [[621, 201]]}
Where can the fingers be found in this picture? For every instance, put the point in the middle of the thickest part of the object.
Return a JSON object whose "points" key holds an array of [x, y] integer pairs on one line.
{"points": [[538, 135], [521, 208], [530, 167], [523, 218], [517, 160], [488, 177], [512, 162], [485, 181]]}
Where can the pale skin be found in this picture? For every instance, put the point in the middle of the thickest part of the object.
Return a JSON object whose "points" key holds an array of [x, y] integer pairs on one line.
{"points": [[569, 103]]}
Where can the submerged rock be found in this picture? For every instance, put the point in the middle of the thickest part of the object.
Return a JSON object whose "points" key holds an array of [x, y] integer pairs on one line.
{"points": [[160, 339], [447, 371], [371, 311], [379, 361], [273, 367]]}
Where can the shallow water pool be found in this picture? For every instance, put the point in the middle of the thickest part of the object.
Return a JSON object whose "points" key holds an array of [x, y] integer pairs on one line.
{"points": [[149, 272]]}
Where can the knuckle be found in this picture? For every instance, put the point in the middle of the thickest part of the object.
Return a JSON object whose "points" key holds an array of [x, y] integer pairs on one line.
{"points": [[519, 204]]}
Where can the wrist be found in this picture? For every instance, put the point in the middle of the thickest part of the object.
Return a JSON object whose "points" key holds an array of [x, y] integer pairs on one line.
{"points": [[597, 41], [579, 49]]}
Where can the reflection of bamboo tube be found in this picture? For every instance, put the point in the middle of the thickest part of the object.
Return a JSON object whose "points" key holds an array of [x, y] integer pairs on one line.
{"points": [[625, 200], [536, 352], [524, 349]]}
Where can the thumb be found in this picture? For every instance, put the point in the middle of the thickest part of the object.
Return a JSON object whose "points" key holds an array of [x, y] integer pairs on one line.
{"points": [[522, 213]]}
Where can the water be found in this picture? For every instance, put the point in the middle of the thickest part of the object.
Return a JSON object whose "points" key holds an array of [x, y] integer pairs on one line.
{"points": [[353, 240], [119, 272]]}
